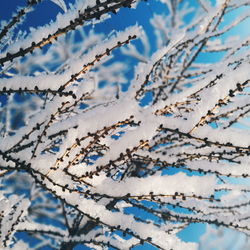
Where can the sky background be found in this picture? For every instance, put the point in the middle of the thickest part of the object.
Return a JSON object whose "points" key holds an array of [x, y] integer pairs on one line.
{"points": [[48, 10]]}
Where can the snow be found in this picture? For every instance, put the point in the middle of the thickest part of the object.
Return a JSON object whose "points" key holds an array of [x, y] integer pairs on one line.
{"points": [[102, 153], [166, 185]]}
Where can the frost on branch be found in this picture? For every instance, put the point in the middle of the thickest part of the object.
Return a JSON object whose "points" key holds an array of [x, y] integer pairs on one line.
{"points": [[84, 162]]}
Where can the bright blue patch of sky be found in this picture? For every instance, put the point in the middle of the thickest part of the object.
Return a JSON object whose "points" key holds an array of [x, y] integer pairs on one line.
{"points": [[81, 247], [192, 233]]}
